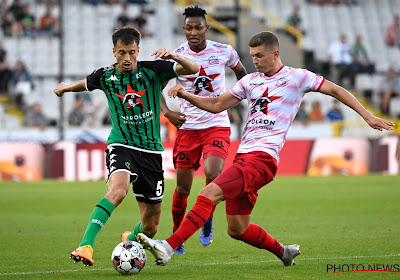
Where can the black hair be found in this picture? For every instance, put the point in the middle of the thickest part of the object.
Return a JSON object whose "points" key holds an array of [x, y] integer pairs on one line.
{"points": [[126, 35], [195, 11], [265, 38]]}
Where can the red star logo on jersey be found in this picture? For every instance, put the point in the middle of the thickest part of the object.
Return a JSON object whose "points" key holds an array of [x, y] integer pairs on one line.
{"points": [[261, 105], [203, 81], [132, 98]]}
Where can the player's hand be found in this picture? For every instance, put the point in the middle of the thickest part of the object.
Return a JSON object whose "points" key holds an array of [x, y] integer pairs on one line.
{"points": [[379, 124], [59, 90], [164, 54], [176, 118], [177, 90]]}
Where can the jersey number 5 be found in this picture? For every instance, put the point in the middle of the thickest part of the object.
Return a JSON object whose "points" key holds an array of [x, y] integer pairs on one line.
{"points": [[159, 190]]}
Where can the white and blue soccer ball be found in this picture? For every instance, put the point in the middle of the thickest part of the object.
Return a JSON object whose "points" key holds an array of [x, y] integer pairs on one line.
{"points": [[128, 257]]}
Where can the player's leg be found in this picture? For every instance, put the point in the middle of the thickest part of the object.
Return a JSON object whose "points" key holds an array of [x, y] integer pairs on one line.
{"points": [[213, 166], [163, 250], [150, 218], [149, 191], [118, 186], [216, 143], [240, 228], [186, 156], [241, 196], [118, 181], [150, 215], [184, 181]]}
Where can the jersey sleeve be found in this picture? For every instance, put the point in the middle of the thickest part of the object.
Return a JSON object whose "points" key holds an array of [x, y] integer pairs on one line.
{"points": [[93, 80], [234, 58], [166, 70], [307, 81], [239, 89]]}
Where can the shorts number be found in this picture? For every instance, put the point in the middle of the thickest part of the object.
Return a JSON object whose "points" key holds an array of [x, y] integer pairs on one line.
{"points": [[159, 189]]}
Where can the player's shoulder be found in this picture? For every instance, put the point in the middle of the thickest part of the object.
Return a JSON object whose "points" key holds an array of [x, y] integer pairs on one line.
{"points": [[294, 70], [218, 45], [182, 48], [252, 79], [102, 70]]}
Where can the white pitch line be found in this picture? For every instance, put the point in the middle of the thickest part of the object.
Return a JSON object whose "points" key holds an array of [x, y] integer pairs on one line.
{"points": [[202, 264]]}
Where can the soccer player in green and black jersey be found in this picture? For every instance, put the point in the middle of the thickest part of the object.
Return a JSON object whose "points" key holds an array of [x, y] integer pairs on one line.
{"points": [[133, 155]]}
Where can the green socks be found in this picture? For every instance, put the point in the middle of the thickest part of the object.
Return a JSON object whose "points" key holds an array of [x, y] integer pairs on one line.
{"points": [[97, 220], [138, 229]]}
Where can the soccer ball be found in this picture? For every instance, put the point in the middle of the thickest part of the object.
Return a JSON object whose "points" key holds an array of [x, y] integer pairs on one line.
{"points": [[128, 257]]}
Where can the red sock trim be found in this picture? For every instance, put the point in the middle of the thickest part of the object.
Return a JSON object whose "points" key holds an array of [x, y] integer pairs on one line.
{"points": [[194, 220], [179, 204], [256, 236]]}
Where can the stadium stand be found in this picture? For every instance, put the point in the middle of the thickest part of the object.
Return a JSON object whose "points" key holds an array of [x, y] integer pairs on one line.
{"points": [[87, 30]]}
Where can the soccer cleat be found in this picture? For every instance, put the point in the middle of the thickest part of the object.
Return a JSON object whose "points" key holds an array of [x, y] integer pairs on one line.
{"points": [[290, 252], [207, 234], [180, 250], [160, 249], [124, 236], [84, 254]]}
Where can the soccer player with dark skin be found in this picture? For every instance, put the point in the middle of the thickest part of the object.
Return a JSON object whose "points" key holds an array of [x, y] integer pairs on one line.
{"points": [[133, 155], [274, 93], [202, 133]]}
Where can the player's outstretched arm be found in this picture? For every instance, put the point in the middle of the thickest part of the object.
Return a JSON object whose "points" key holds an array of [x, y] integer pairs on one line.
{"points": [[186, 66], [76, 86], [347, 98], [210, 104]]}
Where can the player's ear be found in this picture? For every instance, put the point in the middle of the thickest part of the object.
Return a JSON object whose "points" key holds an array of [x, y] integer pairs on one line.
{"points": [[207, 27], [276, 54], [114, 52]]}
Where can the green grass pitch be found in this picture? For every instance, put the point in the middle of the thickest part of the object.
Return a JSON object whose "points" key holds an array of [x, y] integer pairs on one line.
{"points": [[336, 220]]}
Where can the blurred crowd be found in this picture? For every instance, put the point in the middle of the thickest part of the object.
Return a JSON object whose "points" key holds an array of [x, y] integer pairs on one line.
{"points": [[139, 21], [109, 2], [17, 20], [348, 57], [316, 114], [335, 2]]}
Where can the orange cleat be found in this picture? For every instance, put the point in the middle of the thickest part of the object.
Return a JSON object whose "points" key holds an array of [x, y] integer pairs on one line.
{"points": [[84, 254], [124, 236]]}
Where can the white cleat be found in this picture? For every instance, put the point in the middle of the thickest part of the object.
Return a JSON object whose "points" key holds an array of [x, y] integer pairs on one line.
{"points": [[291, 251], [160, 249]]}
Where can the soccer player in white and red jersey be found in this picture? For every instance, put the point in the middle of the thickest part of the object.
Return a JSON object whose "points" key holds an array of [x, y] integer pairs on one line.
{"points": [[203, 133], [274, 94]]}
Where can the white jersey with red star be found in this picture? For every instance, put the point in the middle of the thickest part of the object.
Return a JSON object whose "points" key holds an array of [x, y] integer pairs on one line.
{"points": [[273, 104], [209, 81]]}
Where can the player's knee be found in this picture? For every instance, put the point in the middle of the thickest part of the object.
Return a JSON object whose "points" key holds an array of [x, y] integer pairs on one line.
{"points": [[117, 194], [182, 190], [235, 233], [212, 192], [211, 175]]}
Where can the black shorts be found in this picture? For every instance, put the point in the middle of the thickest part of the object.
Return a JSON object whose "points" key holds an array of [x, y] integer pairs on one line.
{"points": [[147, 175]]}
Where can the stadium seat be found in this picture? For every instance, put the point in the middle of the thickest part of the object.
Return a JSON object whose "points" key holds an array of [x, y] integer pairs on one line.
{"points": [[394, 107]]}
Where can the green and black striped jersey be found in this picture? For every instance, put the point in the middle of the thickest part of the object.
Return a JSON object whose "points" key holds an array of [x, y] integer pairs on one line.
{"points": [[134, 102]]}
